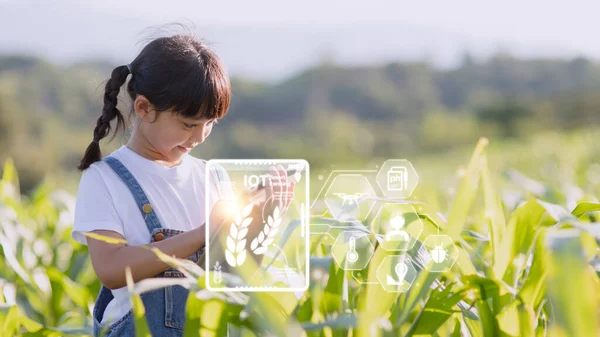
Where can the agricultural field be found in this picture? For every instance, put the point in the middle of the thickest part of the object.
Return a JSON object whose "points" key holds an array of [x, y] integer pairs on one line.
{"points": [[523, 215]]}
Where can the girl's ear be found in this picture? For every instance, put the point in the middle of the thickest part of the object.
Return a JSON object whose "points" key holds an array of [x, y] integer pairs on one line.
{"points": [[144, 109]]}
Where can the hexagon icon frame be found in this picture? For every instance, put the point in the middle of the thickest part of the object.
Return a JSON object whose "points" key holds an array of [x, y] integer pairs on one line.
{"points": [[364, 241], [392, 283], [416, 225], [395, 182], [337, 211], [444, 247]]}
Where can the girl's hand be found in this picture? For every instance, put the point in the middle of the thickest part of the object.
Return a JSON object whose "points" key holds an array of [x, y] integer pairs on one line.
{"points": [[279, 191], [224, 211]]}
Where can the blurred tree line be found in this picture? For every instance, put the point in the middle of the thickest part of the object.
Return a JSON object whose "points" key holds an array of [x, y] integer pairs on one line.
{"points": [[326, 114]]}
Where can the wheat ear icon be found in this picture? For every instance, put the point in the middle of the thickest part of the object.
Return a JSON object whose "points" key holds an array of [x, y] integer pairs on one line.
{"points": [[235, 253], [266, 237]]}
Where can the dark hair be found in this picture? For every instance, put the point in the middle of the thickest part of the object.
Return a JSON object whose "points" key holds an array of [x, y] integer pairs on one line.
{"points": [[178, 72]]}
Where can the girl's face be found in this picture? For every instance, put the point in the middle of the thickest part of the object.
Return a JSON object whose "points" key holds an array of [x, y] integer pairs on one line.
{"points": [[166, 136]]}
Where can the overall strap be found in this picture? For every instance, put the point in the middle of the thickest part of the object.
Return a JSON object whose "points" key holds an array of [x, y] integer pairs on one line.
{"points": [[138, 194]]}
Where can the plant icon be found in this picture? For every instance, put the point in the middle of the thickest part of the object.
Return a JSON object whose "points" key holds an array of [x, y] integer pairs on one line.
{"points": [[265, 238], [235, 253], [218, 275]]}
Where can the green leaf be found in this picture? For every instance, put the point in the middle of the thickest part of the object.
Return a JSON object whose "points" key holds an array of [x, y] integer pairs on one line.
{"points": [[585, 207], [527, 321], [332, 297], [206, 317], [437, 310], [572, 286], [76, 292], [105, 238], [12, 322], [456, 331], [467, 190], [493, 212], [556, 212], [45, 332], [474, 326], [475, 236], [415, 295], [344, 321], [29, 324], [266, 313], [10, 178], [375, 301], [487, 320], [523, 225], [508, 320], [532, 291], [137, 305], [462, 204], [139, 318]]}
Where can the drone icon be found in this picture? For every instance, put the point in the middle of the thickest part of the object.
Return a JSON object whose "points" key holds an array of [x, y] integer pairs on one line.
{"points": [[351, 198]]}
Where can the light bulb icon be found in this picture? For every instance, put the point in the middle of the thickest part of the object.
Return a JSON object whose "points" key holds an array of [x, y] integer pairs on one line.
{"points": [[352, 255]]}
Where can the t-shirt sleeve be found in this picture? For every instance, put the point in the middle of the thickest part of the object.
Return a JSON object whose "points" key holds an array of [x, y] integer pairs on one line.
{"points": [[94, 208]]}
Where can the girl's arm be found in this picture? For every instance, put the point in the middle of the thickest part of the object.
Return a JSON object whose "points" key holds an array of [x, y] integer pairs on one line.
{"points": [[109, 260]]}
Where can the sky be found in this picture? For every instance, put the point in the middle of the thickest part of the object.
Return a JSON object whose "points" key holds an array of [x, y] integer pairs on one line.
{"points": [[268, 39], [566, 21]]}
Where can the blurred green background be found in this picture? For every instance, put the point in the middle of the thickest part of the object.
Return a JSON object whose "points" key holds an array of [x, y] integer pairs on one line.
{"points": [[333, 116]]}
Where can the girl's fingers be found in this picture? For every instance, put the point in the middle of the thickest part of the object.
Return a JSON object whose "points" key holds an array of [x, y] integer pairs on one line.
{"points": [[284, 185], [290, 194], [279, 188], [269, 187], [279, 191], [275, 195]]}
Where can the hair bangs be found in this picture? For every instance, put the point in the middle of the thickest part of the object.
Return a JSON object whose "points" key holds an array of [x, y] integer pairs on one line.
{"points": [[203, 94]]}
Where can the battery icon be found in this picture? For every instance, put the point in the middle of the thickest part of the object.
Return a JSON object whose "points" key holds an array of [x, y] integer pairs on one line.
{"points": [[397, 178]]}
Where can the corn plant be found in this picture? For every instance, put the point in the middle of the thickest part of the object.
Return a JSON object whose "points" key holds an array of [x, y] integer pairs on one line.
{"points": [[46, 281], [529, 268]]}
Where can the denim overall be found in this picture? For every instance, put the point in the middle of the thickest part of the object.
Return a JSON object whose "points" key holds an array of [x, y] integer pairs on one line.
{"points": [[165, 307]]}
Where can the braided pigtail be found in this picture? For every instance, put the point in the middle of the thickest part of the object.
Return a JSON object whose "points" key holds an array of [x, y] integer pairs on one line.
{"points": [[109, 112]]}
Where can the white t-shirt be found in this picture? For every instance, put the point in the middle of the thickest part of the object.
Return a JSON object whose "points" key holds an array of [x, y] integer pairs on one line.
{"points": [[177, 195]]}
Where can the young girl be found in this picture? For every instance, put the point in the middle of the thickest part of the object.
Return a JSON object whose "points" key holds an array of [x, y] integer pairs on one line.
{"points": [[151, 191]]}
